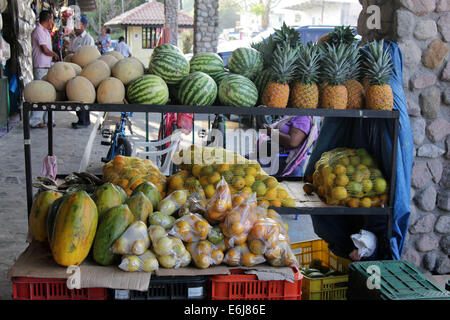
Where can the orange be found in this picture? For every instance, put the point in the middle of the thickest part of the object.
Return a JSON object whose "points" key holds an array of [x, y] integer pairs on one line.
{"points": [[214, 215], [204, 247], [233, 217], [338, 193], [366, 202], [257, 246], [209, 191], [202, 261], [259, 231], [216, 256], [249, 259], [177, 182], [281, 193], [341, 180], [204, 181], [183, 227], [237, 200], [264, 203], [232, 257], [240, 239], [353, 203], [246, 192], [223, 167], [214, 178], [384, 197], [251, 171], [271, 194], [272, 214], [220, 205], [274, 252], [202, 228], [124, 184], [275, 203], [238, 182], [260, 188], [237, 228], [271, 182], [249, 180], [340, 169], [196, 169]]}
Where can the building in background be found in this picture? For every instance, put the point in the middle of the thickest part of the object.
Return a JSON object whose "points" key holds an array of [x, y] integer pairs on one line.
{"points": [[143, 26]]}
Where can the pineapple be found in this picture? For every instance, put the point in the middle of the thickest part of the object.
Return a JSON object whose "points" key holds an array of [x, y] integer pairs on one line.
{"points": [[266, 48], [276, 92], [339, 35], [378, 69], [305, 93], [335, 70], [287, 36], [356, 92]]}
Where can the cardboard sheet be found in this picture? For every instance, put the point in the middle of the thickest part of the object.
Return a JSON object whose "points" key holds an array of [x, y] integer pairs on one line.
{"points": [[192, 271], [37, 262]]}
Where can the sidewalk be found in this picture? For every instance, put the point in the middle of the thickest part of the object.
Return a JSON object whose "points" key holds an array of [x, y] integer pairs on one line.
{"points": [[69, 146]]}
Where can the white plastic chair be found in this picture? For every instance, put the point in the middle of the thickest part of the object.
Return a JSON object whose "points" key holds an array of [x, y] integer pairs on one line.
{"points": [[164, 168]]}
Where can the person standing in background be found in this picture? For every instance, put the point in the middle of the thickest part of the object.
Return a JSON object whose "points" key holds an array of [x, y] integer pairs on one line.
{"points": [[83, 38], [42, 58], [104, 41], [123, 48]]}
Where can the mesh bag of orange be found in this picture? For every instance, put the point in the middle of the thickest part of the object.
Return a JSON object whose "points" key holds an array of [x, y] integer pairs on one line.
{"points": [[350, 177], [129, 172], [240, 255], [218, 205], [191, 228], [239, 221], [205, 254]]}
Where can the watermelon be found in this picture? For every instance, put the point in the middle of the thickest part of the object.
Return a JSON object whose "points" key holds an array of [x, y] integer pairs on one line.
{"points": [[261, 81], [207, 62], [170, 66], [238, 91], [220, 76], [166, 47], [246, 61], [148, 89], [197, 89]]}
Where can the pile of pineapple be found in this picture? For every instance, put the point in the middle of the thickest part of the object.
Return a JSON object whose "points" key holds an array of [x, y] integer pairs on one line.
{"points": [[202, 168], [333, 74], [350, 178]]}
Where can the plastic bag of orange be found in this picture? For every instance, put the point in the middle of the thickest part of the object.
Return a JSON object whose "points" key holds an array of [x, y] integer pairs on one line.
{"points": [[205, 254], [281, 254], [239, 221], [196, 203], [219, 204], [171, 252], [147, 262], [242, 256], [134, 241], [173, 202], [191, 228], [264, 235]]}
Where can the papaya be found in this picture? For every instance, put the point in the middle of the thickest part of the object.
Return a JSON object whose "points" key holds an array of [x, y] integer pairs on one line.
{"points": [[108, 196], [113, 223], [150, 191], [39, 212], [140, 206], [74, 229], [51, 216]]}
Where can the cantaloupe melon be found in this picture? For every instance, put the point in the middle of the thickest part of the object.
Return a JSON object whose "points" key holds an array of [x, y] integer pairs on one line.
{"points": [[80, 89], [75, 67], [85, 55], [39, 91], [96, 72], [111, 90], [68, 58], [115, 54], [127, 70], [109, 59], [59, 74]]}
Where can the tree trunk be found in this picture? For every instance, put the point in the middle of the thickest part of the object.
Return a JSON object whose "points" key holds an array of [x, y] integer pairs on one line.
{"points": [[171, 19], [265, 19]]}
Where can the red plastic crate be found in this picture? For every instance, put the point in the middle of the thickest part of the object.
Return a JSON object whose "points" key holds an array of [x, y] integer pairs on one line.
{"points": [[240, 286], [53, 289]]}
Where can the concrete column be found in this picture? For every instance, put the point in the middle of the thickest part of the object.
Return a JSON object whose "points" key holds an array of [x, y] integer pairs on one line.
{"points": [[171, 16], [206, 25]]}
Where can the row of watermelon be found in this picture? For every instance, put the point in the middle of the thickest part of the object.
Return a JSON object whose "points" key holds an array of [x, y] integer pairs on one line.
{"points": [[202, 81]]}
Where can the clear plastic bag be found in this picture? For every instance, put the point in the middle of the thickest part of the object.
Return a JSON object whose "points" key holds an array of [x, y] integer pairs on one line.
{"points": [[205, 254], [219, 204], [147, 262], [155, 232], [134, 241], [171, 252], [239, 221], [196, 203], [264, 235], [161, 219], [173, 202], [241, 256], [281, 255], [191, 228], [350, 177]]}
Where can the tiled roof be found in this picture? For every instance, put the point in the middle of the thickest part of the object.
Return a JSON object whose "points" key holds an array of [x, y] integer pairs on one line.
{"points": [[149, 13]]}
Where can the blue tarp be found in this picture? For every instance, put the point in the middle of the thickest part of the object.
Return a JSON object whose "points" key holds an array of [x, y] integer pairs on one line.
{"points": [[375, 135]]}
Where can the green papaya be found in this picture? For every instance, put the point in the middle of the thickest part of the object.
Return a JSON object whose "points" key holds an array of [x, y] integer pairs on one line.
{"points": [[150, 191], [140, 206], [39, 213], [51, 216], [114, 222], [314, 275], [108, 196]]}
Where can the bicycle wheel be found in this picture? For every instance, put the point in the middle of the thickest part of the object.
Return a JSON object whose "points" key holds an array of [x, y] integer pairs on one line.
{"points": [[123, 148]]}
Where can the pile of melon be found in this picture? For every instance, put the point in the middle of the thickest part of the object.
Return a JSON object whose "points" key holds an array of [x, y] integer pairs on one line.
{"points": [[87, 77]]}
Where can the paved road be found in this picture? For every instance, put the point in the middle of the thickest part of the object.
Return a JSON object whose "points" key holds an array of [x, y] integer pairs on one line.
{"points": [[69, 146]]}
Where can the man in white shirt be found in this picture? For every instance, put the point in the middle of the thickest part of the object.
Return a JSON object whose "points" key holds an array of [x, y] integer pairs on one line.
{"points": [[82, 37], [123, 48]]}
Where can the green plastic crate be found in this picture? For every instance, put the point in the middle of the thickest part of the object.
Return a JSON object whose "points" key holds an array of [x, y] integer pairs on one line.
{"points": [[399, 280]]}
